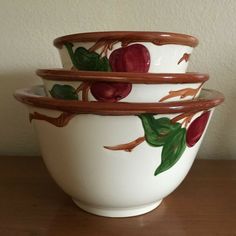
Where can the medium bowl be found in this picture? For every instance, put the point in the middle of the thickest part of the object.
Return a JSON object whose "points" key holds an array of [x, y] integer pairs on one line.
{"points": [[121, 86], [126, 51], [118, 159]]}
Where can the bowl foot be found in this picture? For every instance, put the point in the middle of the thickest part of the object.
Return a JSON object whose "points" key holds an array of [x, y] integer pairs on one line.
{"points": [[118, 212]]}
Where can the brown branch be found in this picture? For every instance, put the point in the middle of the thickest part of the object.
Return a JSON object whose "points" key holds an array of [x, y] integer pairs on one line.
{"points": [[97, 45], [84, 88], [60, 121], [80, 88], [198, 90], [125, 43], [111, 44], [187, 120], [187, 117], [182, 93], [104, 50], [107, 45], [127, 147], [185, 57], [182, 116]]}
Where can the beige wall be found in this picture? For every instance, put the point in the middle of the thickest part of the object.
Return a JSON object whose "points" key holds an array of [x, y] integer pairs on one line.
{"points": [[29, 26]]}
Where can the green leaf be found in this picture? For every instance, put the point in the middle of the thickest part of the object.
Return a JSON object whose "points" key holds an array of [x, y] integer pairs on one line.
{"points": [[82, 59], [63, 92], [86, 60], [104, 64], [172, 150], [69, 47], [157, 131]]}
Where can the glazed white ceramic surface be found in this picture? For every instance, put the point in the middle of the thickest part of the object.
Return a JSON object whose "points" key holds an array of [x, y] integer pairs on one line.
{"points": [[139, 92], [163, 58], [107, 182]]}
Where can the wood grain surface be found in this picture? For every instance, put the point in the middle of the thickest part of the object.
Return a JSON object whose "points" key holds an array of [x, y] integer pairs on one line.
{"points": [[31, 204]]}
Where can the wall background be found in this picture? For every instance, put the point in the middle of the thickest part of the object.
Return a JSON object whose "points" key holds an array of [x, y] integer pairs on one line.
{"points": [[28, 28]]}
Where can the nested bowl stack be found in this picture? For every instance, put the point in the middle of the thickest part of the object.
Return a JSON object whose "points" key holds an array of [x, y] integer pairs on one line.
{"points": [[120, 124]]}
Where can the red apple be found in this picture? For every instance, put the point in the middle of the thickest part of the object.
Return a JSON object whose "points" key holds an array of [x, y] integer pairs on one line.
{"points": [[196, 129], [110, 91], [133, 58]]}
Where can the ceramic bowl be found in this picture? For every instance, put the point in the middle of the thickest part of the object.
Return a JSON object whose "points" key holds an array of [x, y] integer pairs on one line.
{"points": [[121, 86], [142, 52], [120, 159]]}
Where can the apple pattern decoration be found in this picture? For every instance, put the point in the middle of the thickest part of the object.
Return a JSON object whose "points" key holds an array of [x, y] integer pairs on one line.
{"points": [[129, 58], [169, 134], [172, 137], [87, 60], [110, 91], [163, 132], [196, 129], [133, 58]]}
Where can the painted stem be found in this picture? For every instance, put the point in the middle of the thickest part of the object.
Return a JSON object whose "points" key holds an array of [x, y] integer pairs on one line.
{"points": [[182, 93], [97, 45], [187, 120], [60, 121], [185, 57], [111, 44], [104, 50], [107, 45], [84, 87], [128, 147], [198, 90], [182, 116]]}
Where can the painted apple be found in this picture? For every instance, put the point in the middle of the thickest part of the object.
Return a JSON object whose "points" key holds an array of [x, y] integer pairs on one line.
{"points": [[133, 58], [196, 129], [110, 91]]}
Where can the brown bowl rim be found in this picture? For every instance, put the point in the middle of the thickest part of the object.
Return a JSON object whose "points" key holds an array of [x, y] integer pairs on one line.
{"points": [[211, 99], [159, 38], [121, 77]]}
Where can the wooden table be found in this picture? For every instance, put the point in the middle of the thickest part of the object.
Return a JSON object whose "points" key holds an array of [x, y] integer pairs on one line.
{"points": [[31, 204]]}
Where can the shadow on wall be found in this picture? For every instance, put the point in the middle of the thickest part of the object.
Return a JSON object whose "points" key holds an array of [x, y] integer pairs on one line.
{"points": [[219, 142], [17, 135], [223, 131]]}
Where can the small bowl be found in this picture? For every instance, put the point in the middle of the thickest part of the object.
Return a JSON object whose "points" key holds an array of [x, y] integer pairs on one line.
{"points": [[118, 159], [126, 51], [121, 86]]}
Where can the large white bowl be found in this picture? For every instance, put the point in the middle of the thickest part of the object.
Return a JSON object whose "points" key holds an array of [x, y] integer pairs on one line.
{"points": [[121, 86], [100, 155], [126, 51]]}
